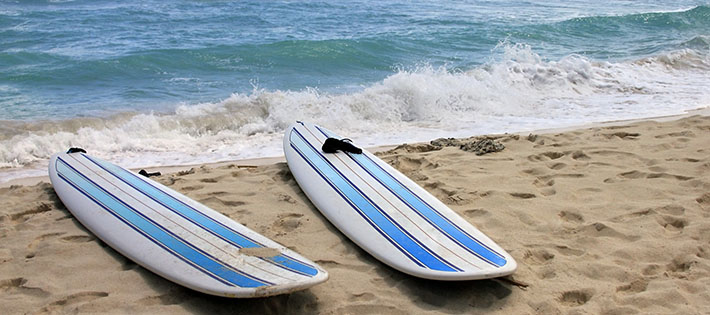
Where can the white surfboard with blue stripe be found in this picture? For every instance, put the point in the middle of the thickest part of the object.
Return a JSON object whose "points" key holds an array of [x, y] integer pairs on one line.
{"points": [[389, 215], [175, 236]]}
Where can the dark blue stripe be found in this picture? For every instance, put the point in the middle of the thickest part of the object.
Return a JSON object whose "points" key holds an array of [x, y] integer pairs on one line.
{"points": [[426, 211], [360, 202], [153, 231], [198, 218], [356, 209]]}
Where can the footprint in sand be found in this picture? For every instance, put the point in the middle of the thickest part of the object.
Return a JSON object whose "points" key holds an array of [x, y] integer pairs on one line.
{"points": [[283, 175], [287, 222], [680, 134], [679, 266], [8, 284], [18, 286], [32, 246], [173, 298], [169, 181], [406, 164], [192, 188], [41, 238], [599, 229], [75, 298], [635, 174], [547, 272], [622, 135], [669, 176], [557, 166], [362, 297], [657, 169], [523, 195], [672, 223], [538, 256], [287, 198], [632, 216], [636, 286], [215, 201], [473, 213], [23, 216], [546, 156], [580, 156], [704, 201], [632, 175], [536, 171], [543, 183], [327, 262], [570, 216], [568, 251], [576, 297], [549, 191], [651, 270], [212, 179], [439, 189], [78, 238], [702, 252]]}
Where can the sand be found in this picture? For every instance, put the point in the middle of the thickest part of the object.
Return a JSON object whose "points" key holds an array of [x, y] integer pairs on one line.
{"points": [[603, 220]]}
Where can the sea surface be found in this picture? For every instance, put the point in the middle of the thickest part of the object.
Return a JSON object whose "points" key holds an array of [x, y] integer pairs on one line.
{"points": [[146, 83]]}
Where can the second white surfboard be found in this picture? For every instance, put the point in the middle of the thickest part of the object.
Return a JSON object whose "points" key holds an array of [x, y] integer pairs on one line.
{"points": [[389, 215]]}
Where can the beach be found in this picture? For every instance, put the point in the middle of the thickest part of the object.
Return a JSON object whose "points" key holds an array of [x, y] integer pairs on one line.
{"points": [[601, 193], [608, 219]]}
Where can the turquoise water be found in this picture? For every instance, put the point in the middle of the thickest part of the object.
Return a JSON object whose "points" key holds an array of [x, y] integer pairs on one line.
{"points": [[171, 82]]}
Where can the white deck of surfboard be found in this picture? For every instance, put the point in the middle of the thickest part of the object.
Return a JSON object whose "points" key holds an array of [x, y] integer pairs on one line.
{"points": [[388, 215], [178, 242]]}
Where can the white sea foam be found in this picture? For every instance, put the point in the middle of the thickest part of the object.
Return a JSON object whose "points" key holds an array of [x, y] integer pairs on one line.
{"points": [[517, 92]]}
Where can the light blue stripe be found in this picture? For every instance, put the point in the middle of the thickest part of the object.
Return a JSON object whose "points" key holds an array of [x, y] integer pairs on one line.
{"points": [[198, 217], [355, 207], [427, 212], [422, 208], [156, 233], [362, 204]]}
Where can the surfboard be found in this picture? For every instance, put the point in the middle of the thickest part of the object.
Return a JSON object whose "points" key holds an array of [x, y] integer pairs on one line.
{"points": [[174, 236], [389, 215]]}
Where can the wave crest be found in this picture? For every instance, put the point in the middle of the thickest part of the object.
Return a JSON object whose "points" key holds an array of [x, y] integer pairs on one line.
{"points": [[520, 90]]}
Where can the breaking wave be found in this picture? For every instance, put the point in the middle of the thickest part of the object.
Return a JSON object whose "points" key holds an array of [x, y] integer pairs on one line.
{"points": [[517, 91]]}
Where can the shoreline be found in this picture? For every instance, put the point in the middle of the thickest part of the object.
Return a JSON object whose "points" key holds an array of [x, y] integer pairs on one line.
{"points": [[261, 161], [602, 220]]}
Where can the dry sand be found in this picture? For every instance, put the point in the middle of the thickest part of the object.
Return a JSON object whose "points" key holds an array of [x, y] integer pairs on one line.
{"points": [[605, 220]]}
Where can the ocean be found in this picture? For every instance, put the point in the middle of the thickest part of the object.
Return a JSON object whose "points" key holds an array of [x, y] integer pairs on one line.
{"points": [[148, 83]]}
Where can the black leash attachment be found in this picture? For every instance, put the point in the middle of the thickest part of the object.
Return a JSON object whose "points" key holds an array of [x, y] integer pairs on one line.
{"points": [[332, 145], [146, 174], [75, 150]]}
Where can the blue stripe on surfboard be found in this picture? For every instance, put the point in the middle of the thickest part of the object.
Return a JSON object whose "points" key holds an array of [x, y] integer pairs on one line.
{"points": [[428, 213], [200, 219], [355, 207], [368, 209], [173, 244], [195, 216], [424, 210]]}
